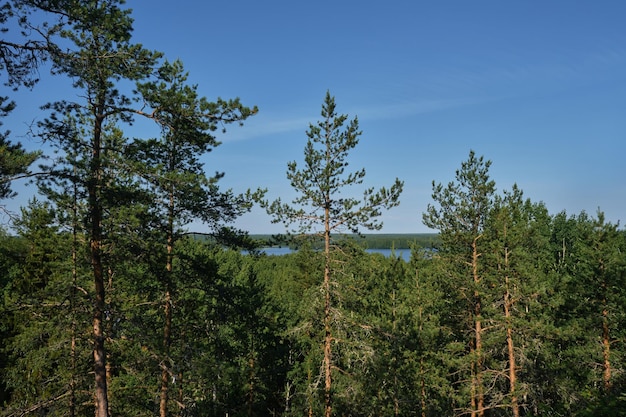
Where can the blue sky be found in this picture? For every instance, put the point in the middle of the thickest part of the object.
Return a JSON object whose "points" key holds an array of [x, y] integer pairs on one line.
{"points": [[539, 88]]}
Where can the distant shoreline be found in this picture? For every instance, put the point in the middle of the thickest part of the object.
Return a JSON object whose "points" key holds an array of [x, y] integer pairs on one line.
{"points": [[369, 240]]}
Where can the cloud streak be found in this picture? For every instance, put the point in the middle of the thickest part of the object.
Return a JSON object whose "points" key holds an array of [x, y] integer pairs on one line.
{"points": [[261, 126]]}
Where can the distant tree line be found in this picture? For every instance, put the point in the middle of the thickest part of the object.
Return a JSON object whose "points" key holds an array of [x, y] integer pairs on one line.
{"points": [[366, 240]]}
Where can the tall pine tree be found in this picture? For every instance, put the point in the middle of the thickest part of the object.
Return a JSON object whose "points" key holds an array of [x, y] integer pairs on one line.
{"points": [[325, 206], [98, 58], [460, 215]]}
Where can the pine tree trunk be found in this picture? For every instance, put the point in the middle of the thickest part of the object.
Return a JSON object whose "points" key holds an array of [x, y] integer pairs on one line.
{"points": [[167, 325], [180, 382], [328, 339], [394, 363], [109, 331], [508, 304], [606, 340], [95, 210], [181, 396], [99, 353], [288, 385], [480, 399], [167, 328], [473, 388], [512, 371], [477, 384], [72, 400]]}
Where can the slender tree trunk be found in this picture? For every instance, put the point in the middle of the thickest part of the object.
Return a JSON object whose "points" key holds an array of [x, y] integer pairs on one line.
{"points": [[99, 352], [72, 400], [181, 395], [473, 388], [109, 331], [508, 304], [95, 209], [477, 384], [167, 326], [480, 400], [288, 385], [328, 339]]}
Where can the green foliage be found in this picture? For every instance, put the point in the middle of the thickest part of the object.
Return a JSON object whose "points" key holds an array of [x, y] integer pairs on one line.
{"points": [[247, 339], [462, 206], [25, 47], [247, 333], [171, 164], [14, 160], [589, 313], [323, 185], [48, 361], [324, 206]]}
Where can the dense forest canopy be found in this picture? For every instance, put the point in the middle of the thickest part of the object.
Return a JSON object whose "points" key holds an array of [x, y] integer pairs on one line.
{"points": [[109, 306]]}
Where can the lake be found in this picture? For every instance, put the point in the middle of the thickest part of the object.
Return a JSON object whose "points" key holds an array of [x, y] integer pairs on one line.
{"points": [[403, 253]]}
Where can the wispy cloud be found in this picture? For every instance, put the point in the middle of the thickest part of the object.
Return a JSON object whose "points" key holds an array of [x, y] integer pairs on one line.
{"points": [[413, 107], [449, 88], [261, 125], [268, 125]]}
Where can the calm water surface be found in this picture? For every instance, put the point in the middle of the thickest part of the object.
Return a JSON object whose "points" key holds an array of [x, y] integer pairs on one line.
{"points": [[403, 253]]}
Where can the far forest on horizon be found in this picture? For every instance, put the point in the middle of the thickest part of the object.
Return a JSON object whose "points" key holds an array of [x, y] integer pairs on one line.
{"points": [[365, 240], [109, 306]]}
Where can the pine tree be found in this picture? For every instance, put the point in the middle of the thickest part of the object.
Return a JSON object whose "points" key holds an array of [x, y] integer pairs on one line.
{"points": [[461, 213], [591, 314], [517, 235], [324, 206], [602, 271], [172, 168], [99, 56]]}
